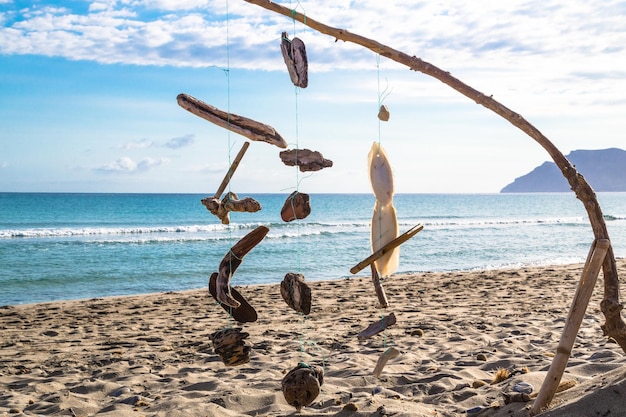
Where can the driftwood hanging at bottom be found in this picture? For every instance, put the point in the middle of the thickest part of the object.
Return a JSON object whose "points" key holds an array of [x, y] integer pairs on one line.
{"points": [[231, 346], [231, 262], [305, 159], [296, 293], [388, 354], [229, 203], [244, 126], [296, 207], [245, 313], [301, 385], [375, 328]]}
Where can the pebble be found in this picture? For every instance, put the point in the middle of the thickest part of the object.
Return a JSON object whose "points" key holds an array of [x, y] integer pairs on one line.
{"points": [[475, 411], [523, 387]]}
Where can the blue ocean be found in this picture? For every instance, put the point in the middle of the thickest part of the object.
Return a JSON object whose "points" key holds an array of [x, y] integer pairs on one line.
{"points": [[56, 246]]}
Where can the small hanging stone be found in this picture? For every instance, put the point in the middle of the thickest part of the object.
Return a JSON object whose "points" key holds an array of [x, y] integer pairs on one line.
{"points": [[383, 113], [296, 293], [301, 385], [296, 207], [230, 345]]}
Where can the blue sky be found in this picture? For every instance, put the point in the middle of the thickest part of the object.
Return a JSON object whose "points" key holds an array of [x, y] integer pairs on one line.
{"points": [[88, 92]]}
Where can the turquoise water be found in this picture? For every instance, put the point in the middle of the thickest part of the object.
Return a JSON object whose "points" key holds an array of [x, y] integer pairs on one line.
{"points": [[71, 246]]}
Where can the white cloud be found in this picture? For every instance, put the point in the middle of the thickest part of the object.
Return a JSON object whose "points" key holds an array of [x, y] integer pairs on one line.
{"points": [[126, 165], [139, 144], [179, 142]]}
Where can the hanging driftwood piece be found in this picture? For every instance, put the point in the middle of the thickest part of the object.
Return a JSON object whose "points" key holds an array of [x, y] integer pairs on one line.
{"points": [[245, 313], [389, 246], [231, 262], [375, 328], [384, 230], [296, 207], [383, 113], [230, 344], [614, 326], [388, 354], [229, 203], [296, 293], [306, 159], [294, 54], [378, 287], [301, 385], [244, 126]]}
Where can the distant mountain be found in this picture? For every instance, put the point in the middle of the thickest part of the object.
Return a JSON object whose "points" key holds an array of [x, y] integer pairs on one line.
{"points": [[604, 170]]}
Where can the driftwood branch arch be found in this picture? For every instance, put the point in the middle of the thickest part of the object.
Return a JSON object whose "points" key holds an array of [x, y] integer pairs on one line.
{"points": [[614, 326]]}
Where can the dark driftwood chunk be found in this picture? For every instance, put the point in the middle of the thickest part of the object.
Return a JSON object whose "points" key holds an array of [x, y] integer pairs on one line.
{"points": [[296, 207], [294, 54], [306, 159], [296, 293], [249, 128], [231, 262], [231, 346], [301, 385], [379, 326], [245, 313]]}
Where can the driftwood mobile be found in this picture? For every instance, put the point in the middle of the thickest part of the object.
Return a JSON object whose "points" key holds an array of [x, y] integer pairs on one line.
{"points": [[301, 384]]}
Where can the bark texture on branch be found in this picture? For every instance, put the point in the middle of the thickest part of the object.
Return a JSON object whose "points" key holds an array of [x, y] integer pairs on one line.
{"points": [[611, 306]]}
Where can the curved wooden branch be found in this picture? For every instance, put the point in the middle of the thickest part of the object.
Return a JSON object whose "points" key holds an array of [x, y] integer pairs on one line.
{"points": [[611, 306]]}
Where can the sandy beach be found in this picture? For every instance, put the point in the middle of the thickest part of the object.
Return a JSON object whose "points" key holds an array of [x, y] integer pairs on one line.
{"points": [[152, 355]]}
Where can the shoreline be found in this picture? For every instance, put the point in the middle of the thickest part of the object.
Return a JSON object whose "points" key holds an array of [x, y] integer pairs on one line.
{"points": [[151, 354]]}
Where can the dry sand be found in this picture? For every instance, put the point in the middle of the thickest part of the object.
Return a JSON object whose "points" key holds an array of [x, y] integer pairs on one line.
{"points": [[152, 355]]}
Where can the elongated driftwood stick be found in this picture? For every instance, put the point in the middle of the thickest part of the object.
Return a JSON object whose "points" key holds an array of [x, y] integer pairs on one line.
{"points": [[390, 353], [231, 262], [378, 287], [246, 127], [388, 247], [614, 326], [375, 328], [232, 169], [588, 279]]}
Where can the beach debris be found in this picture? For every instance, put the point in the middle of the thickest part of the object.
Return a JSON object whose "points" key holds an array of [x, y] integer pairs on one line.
{"points": [[475, 411], [296, 207], [231, 346], [230, 202], [388, 354], [388, 247], [231, 262], [244, 126], [481, 357], [302, 385], [383, 113], [477, 383], [516, 397], [245, 313], [305, 159], [502, 374], [294, 55], [296, 293], [523, 387], [375, 328]]}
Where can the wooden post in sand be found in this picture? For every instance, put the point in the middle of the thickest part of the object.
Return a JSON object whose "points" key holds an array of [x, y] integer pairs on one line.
{"points": [[597, 253]]}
